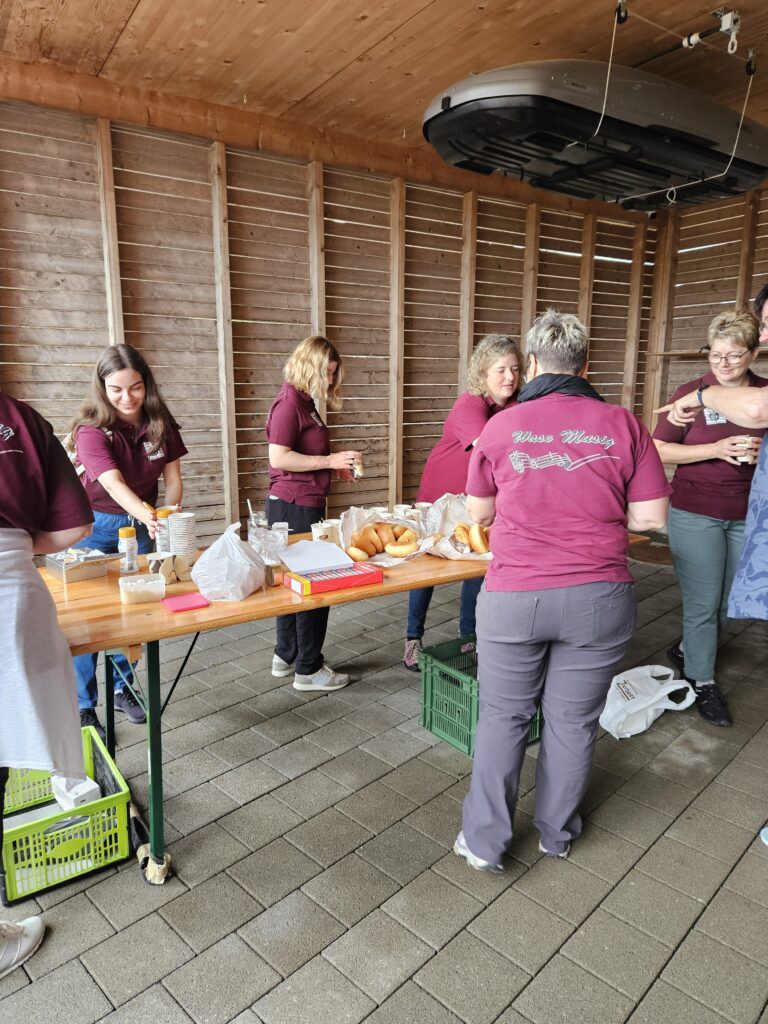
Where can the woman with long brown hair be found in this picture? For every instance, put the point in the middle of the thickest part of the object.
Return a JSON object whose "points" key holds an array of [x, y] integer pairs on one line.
{"points": [[125, 439], [300, 468]]}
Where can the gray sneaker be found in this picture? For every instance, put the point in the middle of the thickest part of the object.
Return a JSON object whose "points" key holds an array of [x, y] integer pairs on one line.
{"points": [[461, 849], [281, 668], [325, 680], [549, 853], [411, 654]]}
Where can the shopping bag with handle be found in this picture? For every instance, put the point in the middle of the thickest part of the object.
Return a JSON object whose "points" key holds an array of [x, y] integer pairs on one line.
{"points": [[229, 570], [638, 696]]}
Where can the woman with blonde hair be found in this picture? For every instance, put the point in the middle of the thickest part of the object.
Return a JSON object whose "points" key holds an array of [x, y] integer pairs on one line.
{"points": [[714, 462], [300, 467], [492, 383]]}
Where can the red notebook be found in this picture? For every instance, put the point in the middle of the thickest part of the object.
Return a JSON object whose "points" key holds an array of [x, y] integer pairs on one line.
{"points": [[185, 602]]}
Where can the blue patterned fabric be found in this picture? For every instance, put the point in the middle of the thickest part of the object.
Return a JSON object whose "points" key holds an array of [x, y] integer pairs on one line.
{"points": [[749, 593]]}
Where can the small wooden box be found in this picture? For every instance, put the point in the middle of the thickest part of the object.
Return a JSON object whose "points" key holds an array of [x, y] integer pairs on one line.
{"points": [[73, 572]]}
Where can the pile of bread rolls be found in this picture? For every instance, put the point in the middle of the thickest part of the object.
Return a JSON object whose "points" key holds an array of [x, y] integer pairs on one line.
{"points": [[396, 540], [475, 537]]}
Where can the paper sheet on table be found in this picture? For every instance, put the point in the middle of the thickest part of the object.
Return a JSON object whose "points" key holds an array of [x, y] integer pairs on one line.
{"points": [[314, 556]]}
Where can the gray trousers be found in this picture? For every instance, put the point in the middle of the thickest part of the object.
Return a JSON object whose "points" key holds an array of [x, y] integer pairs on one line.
{"points": [[559, 648], [705, 552]]}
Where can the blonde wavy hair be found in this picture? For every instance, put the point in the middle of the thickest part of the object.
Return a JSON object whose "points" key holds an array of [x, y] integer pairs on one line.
{"points": [[307, 370], [489, 349], [737, 325]]}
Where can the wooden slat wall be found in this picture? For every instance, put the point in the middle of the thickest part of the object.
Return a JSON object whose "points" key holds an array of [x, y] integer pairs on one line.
{"points": [[499, 267], [163, 203], [269, 269], [760, 263], [611, 275], [53, 310], [433, 247], [560, 236], [645, 319], [357, 293]]}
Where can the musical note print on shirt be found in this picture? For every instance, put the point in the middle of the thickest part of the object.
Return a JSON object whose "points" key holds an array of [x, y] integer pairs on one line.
{"points": [[522, 461]]}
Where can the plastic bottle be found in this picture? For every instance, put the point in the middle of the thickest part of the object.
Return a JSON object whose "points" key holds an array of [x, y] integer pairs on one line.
{"points": [[162, 533], [128, 547]]}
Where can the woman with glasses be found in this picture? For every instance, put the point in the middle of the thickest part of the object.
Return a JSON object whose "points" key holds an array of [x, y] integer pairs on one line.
{"points": [[714, 463]]}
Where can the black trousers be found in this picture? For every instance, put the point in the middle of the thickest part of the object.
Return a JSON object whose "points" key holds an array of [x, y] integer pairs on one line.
{"points": [[3, 781], [300, 637]]}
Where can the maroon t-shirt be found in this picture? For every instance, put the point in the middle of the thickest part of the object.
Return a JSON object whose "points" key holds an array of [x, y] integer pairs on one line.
{"points": [[562, 469], [446, 468], [39, 489], [295, 423], [126, 448], [713, 488]]}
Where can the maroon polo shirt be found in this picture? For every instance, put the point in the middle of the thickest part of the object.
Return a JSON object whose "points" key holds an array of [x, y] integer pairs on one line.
{"points": [[39, 489], [295, 423], [713, 488], [446, 468], [127, 449]]}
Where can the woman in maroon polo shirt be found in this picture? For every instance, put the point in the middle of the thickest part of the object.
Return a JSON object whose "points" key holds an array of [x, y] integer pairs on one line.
{"points": [[43, 508], [300, 467], [709, 504], [492, 383], [125, 439]]}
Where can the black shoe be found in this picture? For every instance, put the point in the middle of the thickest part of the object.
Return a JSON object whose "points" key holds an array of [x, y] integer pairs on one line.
{"points": [[676, 657], [88, 716], [127, 703], [711, 705]]}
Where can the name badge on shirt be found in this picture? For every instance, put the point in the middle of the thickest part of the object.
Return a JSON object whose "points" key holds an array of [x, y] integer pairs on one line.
{"points": [[159, 454], [712, 418]]}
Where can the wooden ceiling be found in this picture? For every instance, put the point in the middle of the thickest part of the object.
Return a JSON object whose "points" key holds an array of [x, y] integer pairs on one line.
{"points": [[365, 68]]}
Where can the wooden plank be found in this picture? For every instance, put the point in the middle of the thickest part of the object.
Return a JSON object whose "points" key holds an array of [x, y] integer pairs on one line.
{"points": [[530, 268], [587, 269], [634, 313], [664, 272], [396, 338], [315, 203], [467, 292], [109, 233], [218, 172], [747, 252]]}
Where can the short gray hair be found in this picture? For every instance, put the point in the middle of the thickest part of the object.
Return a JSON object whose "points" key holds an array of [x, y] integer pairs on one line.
{"points": [[559, 341], [489, 349]]}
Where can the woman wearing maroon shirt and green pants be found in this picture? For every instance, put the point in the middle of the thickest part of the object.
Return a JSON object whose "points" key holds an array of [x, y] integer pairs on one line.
{"points": [[710, 491], [300, 467]]}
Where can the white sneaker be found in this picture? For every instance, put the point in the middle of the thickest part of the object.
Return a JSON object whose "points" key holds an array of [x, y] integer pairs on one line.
{"points": [[281, 668], [548, 853], [461, 849], [324, 679], [18, 942]]}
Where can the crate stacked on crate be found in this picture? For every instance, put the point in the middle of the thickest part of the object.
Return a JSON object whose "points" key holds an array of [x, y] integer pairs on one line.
{"points": [[63, 844], [449, 694]]}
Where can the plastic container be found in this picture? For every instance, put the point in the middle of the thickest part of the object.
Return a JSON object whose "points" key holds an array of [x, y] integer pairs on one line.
{"points": [[65, 844], [449, 694], [128, 547], [281, 530], [142, 589], [162, 532]]}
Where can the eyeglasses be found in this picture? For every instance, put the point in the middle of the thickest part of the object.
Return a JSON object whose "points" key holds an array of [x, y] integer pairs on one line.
{"points": [[730, 359]]}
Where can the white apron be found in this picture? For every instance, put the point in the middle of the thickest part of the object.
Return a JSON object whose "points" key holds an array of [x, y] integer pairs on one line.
{"points": [[39, 720]]}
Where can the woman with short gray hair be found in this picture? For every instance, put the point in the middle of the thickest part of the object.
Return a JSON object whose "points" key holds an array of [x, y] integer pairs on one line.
{"points": [[561, 475], [492, 383]]}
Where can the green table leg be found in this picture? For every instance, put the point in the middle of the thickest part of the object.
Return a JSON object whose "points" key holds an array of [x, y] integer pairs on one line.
{"points": [[109, 703], [154, 743]]}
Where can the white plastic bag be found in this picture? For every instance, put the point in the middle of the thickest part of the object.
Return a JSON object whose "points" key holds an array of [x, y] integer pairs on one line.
{"points": [[229, 570], [638, 696]]}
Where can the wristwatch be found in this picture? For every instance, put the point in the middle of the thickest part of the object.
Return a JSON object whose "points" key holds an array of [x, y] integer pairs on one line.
{"points": [[700, 394]]}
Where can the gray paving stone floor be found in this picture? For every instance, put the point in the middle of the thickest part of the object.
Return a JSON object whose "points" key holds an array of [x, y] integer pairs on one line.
{"points": [[315, 881]]}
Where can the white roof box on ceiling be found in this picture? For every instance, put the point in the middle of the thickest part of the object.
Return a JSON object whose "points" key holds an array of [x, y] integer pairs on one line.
{"points": [[522, 121]]}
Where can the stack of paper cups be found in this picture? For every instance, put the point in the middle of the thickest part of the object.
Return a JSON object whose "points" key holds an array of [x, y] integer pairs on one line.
{"points": [[183, 534]]}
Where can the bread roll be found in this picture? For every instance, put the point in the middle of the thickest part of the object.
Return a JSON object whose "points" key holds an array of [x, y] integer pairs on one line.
{"points": [[369, 534], [360, 541], [461, 533], [399, 530], [408, 537], [385, 533], [400, 550], [477, 540], [357, 554]]}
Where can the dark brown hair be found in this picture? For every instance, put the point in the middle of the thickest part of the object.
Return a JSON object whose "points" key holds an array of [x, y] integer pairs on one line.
{"points": [[98, 411]]}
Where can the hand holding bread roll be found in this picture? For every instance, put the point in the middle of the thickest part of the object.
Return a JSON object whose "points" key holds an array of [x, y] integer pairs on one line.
{"points": [[477, 539]]}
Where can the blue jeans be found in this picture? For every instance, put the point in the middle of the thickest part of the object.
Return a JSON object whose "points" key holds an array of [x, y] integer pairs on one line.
{"points": [[418, 606], [105, 537]]}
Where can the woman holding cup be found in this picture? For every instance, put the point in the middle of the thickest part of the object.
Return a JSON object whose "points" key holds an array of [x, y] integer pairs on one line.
{"points": [[124, 439], [492, 383], [715, 462], [300, 468]]}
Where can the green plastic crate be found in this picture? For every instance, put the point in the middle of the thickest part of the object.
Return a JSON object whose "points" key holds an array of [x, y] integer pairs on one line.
{"points": [[450, 702], [65, 844]]}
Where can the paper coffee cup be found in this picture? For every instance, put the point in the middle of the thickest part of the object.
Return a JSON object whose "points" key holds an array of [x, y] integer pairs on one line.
{"points": [[182, 532]]}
